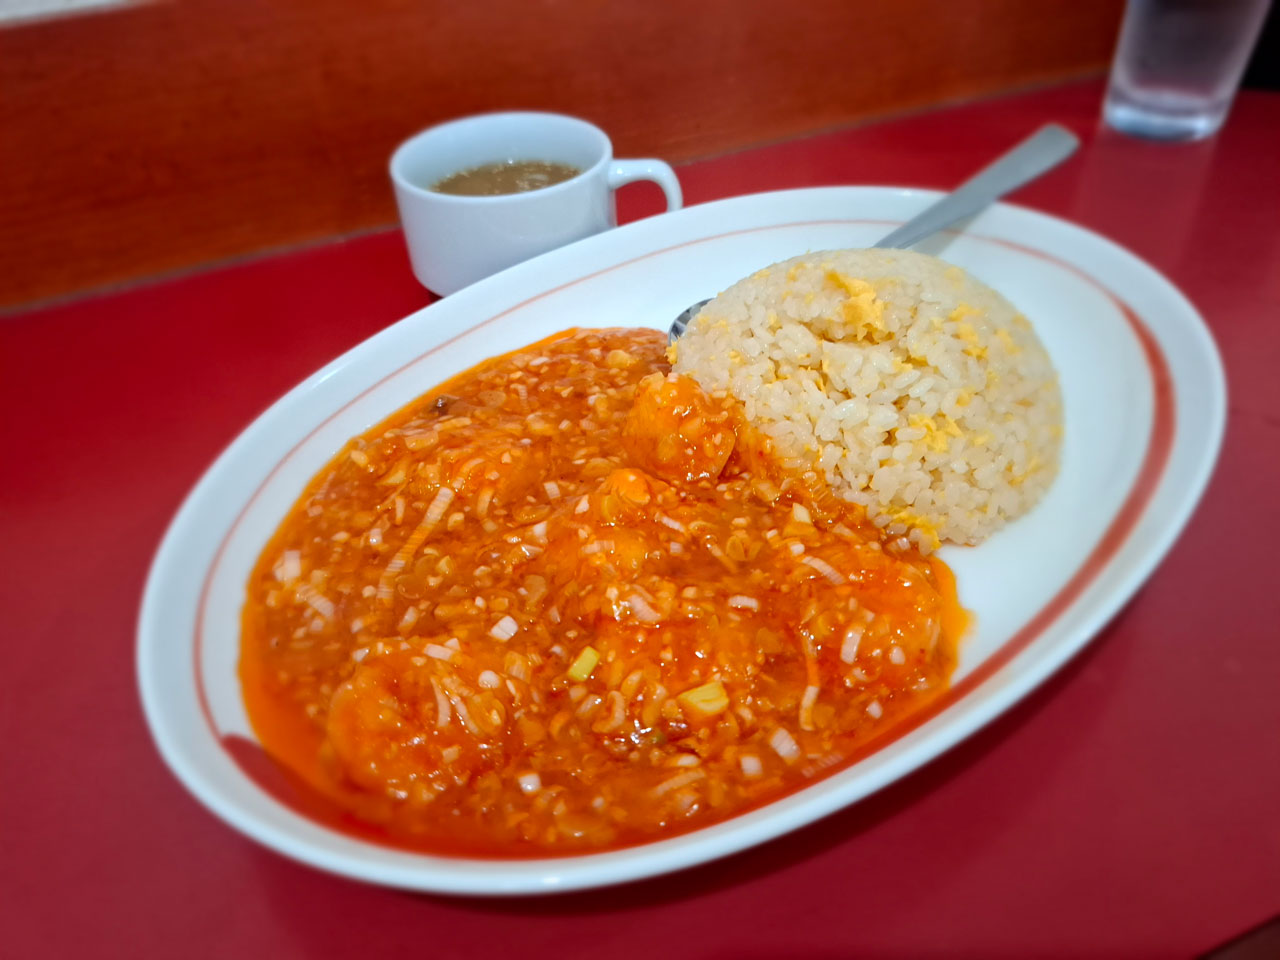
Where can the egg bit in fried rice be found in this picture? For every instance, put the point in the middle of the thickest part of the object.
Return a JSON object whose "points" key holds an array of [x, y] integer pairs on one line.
{"points": [[917, 390]]}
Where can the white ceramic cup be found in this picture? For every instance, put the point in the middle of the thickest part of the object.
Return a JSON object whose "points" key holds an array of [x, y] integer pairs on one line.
{"points": [[456, 240]]}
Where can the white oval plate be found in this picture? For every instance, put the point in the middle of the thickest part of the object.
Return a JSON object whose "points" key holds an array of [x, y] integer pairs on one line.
{"points": [[1145, 405]]}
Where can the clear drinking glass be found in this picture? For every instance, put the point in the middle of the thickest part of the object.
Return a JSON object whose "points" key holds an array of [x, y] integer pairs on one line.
{"points": [[1178, 64]]}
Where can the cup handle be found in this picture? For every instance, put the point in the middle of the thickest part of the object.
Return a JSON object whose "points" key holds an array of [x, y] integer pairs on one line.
{"points": [[629, 171]]}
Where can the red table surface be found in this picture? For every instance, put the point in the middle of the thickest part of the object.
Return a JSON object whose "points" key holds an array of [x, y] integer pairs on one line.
{"points": [[1130, 807]]}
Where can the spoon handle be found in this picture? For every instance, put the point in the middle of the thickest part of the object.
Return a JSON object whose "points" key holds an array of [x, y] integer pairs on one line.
{"points": [[1039, 153]]}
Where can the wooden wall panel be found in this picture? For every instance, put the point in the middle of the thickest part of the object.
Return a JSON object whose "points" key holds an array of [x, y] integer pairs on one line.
{"points": [[154, 138]]}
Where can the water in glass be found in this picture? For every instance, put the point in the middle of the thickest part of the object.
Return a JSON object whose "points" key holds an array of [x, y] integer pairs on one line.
{"points": [[1178, 64]]}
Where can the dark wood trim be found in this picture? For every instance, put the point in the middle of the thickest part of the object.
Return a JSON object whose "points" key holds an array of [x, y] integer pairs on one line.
{"points": [[148, 139]]}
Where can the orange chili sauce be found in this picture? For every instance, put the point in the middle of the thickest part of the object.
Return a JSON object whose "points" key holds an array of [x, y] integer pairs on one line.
{"points": [[569, 602]]}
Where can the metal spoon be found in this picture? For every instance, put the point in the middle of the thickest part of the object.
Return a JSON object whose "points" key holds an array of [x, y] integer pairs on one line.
{"points": [[1036, 155]]}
